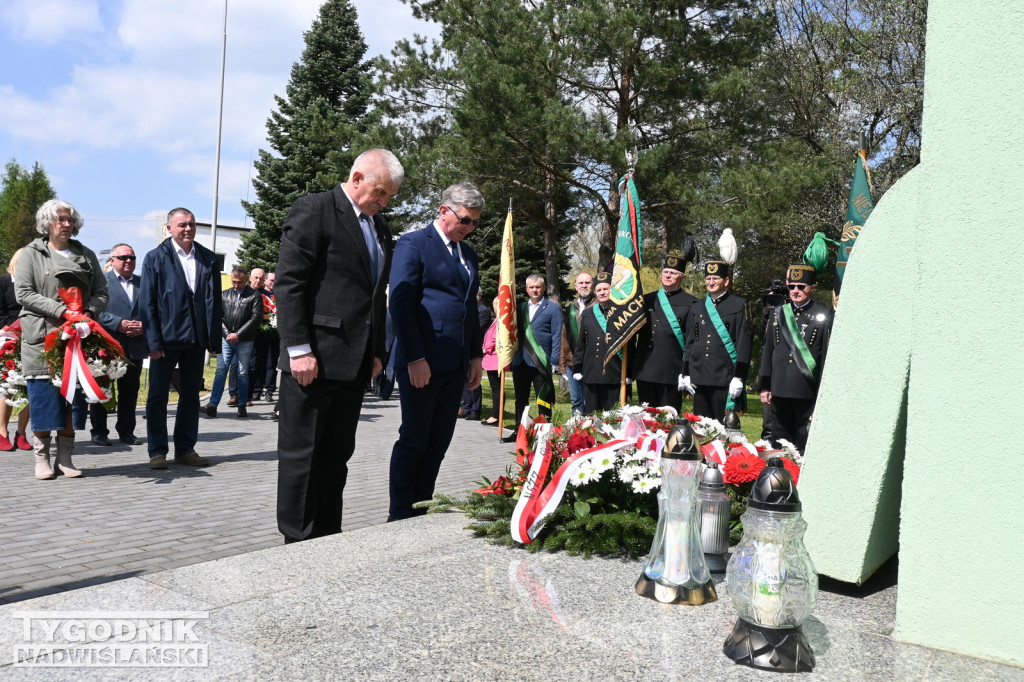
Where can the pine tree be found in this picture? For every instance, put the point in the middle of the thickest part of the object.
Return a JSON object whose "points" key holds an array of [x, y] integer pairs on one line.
{"points": [[23, 193], [311, 131]]}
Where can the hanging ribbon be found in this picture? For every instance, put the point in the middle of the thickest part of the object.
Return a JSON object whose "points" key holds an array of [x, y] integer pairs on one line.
{"points": [[76, 367]]}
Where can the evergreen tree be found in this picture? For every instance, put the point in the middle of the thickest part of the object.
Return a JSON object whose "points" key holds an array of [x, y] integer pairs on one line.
{"points": [[22, 194], [312, 131]]}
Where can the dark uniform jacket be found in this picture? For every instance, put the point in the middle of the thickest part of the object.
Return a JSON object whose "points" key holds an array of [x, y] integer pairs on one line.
{"points": [[658, 356], [779, 372], [573, 311], [590, 350], [173, 316], [707, 361]]}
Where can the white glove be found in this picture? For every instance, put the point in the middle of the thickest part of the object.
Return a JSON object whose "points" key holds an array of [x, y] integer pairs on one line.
{"points": [[735, 388], [577, 376], [554, 369], [628, 381], [685, 385]]}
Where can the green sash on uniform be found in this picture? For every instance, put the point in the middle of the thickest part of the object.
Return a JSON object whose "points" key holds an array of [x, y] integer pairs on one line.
{"points": [[723, 334], [795, 340], [603, 321], [673, 321], [546, 394]]}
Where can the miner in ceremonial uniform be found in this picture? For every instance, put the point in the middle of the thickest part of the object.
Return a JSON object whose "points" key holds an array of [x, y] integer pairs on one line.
{"points": [[660, 343], [571, 320], [718, 346], [794, 351], [600, 382]]}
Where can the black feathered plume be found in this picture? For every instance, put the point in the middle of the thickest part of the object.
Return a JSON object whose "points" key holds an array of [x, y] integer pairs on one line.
{"points": [[689, 252]]}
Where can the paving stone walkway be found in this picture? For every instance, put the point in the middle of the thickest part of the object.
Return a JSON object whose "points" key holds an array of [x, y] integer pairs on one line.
{"points": [[123, 519]]}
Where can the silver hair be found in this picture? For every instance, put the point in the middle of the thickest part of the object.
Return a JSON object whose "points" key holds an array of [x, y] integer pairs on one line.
{"points": [[464, 194], [535, 278], [118, 245], [47, 213], [375, 162]]}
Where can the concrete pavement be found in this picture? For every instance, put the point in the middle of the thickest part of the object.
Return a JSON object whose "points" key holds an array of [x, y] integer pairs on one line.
{"points": [[123, 519]]}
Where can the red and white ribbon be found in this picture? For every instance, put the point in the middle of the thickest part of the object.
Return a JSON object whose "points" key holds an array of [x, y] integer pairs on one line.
{"points": [[536, 502], [76, 368], [714, 452]]}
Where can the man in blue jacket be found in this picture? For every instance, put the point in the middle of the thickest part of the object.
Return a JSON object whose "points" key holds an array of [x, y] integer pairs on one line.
{"points": [[434, 280], [123, 319], [181, 318], [540, 341]]}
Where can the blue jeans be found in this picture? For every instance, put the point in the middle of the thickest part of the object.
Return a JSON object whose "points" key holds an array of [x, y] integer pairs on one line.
{"points": [[237, 354], [575, 391]]}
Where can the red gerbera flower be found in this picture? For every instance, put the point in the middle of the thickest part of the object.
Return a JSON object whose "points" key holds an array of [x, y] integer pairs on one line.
{"points": [[692, 417], [742, 467], [793, 468]]}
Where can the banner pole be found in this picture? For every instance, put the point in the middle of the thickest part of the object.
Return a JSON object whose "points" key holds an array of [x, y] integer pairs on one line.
{"points": [[622, 380], [501, 404]]}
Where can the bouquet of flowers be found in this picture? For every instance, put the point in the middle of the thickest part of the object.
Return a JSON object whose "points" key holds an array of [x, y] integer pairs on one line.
{"points": [[13, 387], [81, 353], [269, 323], [597, 479]]}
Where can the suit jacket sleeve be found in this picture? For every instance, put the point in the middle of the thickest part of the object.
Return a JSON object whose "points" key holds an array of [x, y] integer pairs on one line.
{"points": [[406, 294], [107, 319], [148, 302]]}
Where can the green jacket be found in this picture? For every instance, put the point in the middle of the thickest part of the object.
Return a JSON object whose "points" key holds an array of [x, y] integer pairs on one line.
{"points": [[40, 272]]}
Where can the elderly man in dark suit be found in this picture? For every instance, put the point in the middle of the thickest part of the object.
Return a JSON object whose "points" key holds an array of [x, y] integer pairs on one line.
{"points": [[331, 278], [434, 280], [123, 319], [181, 320]]}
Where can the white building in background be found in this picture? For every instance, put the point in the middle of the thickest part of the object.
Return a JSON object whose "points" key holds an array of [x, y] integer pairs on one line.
{"points": [[229, 241]]}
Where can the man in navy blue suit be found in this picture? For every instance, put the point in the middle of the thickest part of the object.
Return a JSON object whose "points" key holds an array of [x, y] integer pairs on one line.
{"points": [[540, 341], [123, 319], [434, 280]]}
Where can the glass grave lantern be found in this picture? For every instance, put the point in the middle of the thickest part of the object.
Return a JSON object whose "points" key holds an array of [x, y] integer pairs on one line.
{"points": [[715, 517], [675, 571], [771, 579], [732, 424]]}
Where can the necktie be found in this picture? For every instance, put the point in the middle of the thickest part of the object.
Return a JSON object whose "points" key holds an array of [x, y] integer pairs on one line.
{"points": [[455, 250], [371, 242]]}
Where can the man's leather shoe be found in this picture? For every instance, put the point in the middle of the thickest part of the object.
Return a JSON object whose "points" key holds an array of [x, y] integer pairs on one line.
{"points": [[242, 414], [232, 402], [509, 439], [158, 462], [209, 410], [473, 416], [193, 460], [269, 397], [130, 440], [101, 440]]}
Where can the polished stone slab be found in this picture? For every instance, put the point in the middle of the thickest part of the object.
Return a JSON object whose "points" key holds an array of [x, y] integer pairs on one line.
{"points": [[423, 599]]}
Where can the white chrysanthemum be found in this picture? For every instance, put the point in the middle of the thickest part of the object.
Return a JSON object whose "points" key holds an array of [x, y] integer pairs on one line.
{"points": [[763, 445], [645, 484], [630, 472], [604, 462], [738, 438], [791, 450], [581, 476], [16, 403]]}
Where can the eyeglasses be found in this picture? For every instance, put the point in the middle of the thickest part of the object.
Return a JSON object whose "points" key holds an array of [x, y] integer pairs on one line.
{"points": [[124, 258], [801, 287], [464, 220], [60, 221]]}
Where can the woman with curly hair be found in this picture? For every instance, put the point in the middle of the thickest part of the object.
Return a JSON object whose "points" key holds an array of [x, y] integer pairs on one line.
{"points": [[47, 264]]}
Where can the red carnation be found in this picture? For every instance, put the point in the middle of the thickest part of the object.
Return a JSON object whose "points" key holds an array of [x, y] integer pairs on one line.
{"points": [[10, 364], [692, 417], [742, 467], [793, 468]]}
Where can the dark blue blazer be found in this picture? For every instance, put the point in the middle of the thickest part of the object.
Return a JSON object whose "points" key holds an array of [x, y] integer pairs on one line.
{"points": [[172, 316], [120, 308], [433, 302], [547, 327]]}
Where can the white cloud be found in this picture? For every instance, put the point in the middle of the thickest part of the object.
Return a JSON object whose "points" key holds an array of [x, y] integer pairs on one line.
{"points": [[49, 22]]}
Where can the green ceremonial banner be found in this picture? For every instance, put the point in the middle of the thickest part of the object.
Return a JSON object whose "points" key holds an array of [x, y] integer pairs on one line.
{"points": [[626, 314], [857, 211]]}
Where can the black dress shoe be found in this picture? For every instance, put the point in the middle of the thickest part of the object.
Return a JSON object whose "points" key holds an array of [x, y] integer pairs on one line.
{"points": [[101, 440], [130, 440], [509, 439], [473, 416]]}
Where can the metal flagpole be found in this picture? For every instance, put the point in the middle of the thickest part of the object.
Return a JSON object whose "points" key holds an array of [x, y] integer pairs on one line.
{"points": [[220, 123]]}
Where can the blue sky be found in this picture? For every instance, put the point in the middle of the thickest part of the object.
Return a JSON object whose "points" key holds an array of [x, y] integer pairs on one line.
{"points": [[117, 99]]}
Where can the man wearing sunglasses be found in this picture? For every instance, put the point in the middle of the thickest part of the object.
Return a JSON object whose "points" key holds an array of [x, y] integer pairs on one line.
{"points": [[438, 344], [123, 319], [794, 351]]}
